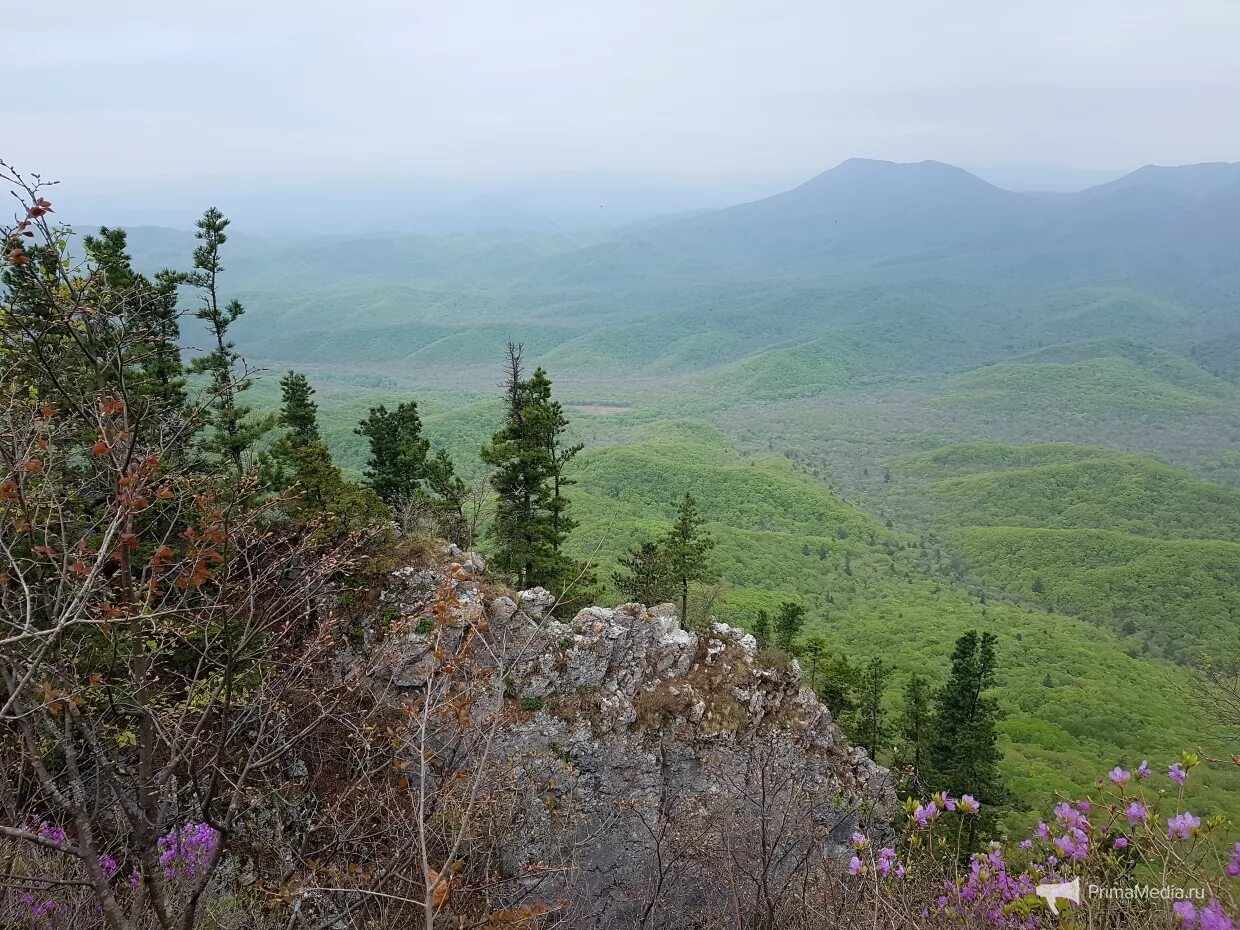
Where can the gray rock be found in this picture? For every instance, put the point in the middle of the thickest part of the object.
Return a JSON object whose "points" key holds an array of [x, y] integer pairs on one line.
{"points": [[635, 734]]}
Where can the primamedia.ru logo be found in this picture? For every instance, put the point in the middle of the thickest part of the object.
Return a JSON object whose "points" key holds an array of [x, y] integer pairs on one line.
{"points": [[1146, 892]]}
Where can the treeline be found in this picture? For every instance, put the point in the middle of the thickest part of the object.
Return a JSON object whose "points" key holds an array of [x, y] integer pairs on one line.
{"points": [[404, 480]]}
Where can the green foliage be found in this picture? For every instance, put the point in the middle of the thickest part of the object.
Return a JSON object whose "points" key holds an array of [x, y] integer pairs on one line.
{"points": [[301, 463], [298, 411], [233, 431], [397, 466], [529, 456], [871, 715], [1178, 598], [150, 306], [914, 728], [762, 628], [643, 576], [963, 752], [684, 550], [788, 622]]}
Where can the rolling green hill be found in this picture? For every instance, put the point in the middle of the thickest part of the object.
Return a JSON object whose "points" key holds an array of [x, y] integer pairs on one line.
{"points": [[1124, 540], [1075, 699]]}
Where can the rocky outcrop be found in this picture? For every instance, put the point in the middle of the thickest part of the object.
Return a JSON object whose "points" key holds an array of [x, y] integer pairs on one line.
{"points": [[657, 764]]}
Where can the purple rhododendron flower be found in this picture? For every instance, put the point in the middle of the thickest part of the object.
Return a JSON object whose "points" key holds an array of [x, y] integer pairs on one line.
{"points": [[1143, 770], [969, 804], [1186, 911], [108, 865], [1121, 842], [856, 866], [1176, 773], [925, 813], [1026, 844], [1043, 831], [38, 909], [186, 852], [1182, 826], [886, 859], [1069, 816], [1119, 776], [1073, 844], [1136, 813], [859, 839], [1213, 917]]}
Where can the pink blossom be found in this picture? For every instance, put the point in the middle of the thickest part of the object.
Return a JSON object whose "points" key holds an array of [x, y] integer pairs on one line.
{"points": [[1182, 826]]}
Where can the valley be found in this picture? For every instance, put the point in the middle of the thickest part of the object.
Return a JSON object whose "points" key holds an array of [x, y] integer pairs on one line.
{"points": [[913, 402]]}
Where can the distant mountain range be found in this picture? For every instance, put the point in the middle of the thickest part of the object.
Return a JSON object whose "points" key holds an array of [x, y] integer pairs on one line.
{"points": [[1185, 220], [870, 269]]}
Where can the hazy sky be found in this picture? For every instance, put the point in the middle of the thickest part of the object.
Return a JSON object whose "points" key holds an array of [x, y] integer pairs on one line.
{"points": [[118, 92]]}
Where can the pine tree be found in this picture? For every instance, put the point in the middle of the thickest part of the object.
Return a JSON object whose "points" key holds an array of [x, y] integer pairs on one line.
{"points": [[914, 728], [298, 412], [398, 452], [871, 726], [964, 754], [233, 432], [788, 623], [643, 578], [531, 518], [685, 549], [147, 307], [300, 460]]}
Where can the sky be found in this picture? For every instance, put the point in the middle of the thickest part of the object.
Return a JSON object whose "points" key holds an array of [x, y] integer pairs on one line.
{"points": [[135, 95]]}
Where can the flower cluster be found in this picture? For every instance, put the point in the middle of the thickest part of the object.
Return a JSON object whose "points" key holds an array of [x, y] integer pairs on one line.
{"points": [[1113, 838], [883, 864], [45, 829], [185, 853], [36, 907]]}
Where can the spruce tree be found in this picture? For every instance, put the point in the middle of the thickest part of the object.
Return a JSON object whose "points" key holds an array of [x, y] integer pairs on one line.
{"points": [[871, 727], [233, 432], [788, 623], [300, 460], [914, 727], [146, 307], [298, 412], [528, 454], [398, 452], [964, 753], [685, 548], [643, 577]]}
